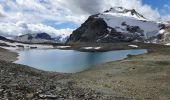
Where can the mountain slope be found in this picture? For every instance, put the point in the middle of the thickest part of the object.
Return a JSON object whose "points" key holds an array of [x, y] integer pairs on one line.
{"points": [[41, 38], [166, 35], [117, 25], [34, 38]]}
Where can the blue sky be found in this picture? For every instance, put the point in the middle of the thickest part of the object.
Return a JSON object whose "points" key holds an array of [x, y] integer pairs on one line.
{"points": [[59, 25], [157, 4], [58, 17]]}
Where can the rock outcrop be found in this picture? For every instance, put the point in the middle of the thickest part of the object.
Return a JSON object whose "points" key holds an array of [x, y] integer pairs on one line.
{"points": [[117, 25], [90, 31], [166, 35]]}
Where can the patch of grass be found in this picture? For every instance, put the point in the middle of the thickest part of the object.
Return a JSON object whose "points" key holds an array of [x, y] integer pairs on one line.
{"points": [[109, 75], [163, 63], [107, 86]]}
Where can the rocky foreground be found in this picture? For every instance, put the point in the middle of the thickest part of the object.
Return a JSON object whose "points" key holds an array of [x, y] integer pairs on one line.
{"points": [[144, 77], [19, 82]]}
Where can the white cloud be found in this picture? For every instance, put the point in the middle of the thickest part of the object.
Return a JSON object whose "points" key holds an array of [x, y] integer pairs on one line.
{"points": [[166, 17], [86, 7], [1, 12], [166, 12], [23, 16], [75, 11], [23, 28], [145, 10]]}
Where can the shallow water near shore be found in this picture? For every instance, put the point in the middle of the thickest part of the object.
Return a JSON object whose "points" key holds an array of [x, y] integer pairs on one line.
{"points": [[70, 61]]}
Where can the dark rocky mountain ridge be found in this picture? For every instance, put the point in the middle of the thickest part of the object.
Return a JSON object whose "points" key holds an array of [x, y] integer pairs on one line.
{"points": [[117, 25]]}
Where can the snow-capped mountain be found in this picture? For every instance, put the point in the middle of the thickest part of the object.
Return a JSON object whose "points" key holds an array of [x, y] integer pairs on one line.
{"points": [[40, 38], [61, 38], [117, 25], [34, 38], [14, 45], [166, 34]]}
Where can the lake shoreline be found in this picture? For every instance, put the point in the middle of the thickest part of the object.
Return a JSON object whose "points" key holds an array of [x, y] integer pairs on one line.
{"points": [[19, 81], [62, 60]]}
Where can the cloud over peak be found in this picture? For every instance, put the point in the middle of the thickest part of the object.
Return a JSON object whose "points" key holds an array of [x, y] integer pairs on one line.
{"points": [[20, 16]]}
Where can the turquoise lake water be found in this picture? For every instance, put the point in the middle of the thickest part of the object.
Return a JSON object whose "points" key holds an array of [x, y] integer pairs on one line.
{"points": [[70, 61]]}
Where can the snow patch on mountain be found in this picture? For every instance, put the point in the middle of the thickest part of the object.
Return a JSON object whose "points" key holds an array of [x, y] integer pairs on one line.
{"points": [[119, 18], [118, 24], [17, 45], [41, 38]]}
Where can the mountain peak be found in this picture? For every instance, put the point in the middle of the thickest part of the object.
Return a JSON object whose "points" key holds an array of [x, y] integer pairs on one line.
{"points": [[125, 12], [117, 24]]}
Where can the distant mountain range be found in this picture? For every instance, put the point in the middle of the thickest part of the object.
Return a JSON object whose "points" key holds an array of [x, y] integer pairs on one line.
{"points": [[40, 38], [119, 24]]}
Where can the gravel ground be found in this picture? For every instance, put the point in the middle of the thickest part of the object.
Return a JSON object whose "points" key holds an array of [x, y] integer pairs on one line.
{"points": [[144, 77], [8, 56], [19, 82]]}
